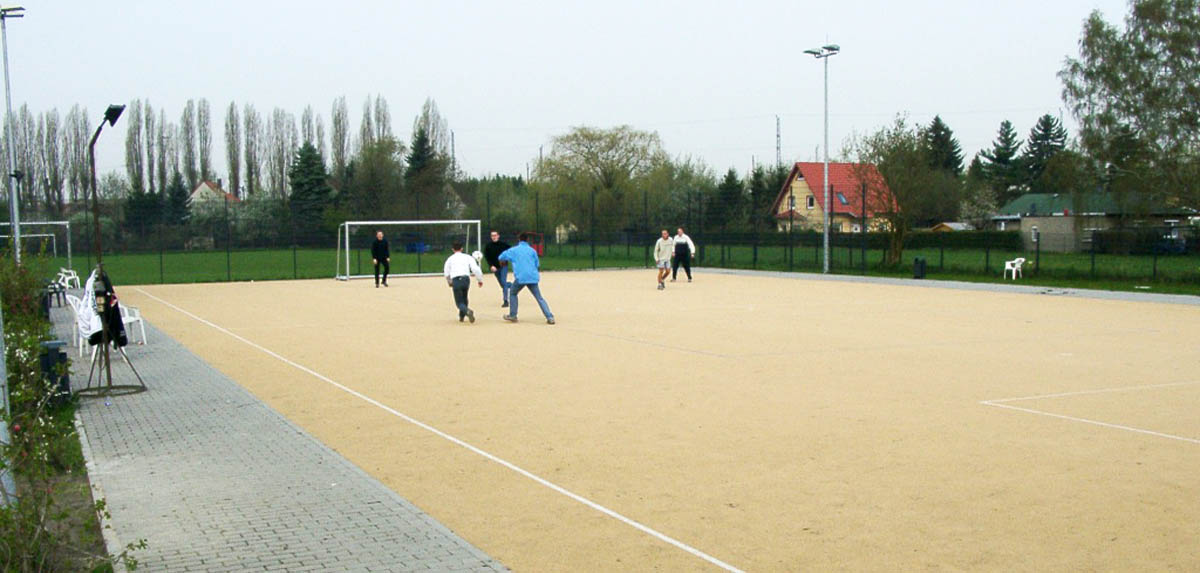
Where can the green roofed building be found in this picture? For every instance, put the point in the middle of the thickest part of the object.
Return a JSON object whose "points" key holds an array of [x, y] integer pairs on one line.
{"points": [[1063, 222]]}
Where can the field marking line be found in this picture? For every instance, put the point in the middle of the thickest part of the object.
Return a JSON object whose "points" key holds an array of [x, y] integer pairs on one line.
{"points": [[542, 481], [1000, 403]]}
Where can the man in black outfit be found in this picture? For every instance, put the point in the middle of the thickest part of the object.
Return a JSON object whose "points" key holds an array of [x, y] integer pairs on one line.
{"points": [[381, 254], [492, 253]]}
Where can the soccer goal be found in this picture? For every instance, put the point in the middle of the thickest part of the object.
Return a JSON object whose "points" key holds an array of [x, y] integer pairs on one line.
{"points": [[53, 234], [417, 247]]}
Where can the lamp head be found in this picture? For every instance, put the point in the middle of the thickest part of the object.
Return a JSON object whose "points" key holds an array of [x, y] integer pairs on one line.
{"points": [[832, 48], [814, 52], [112, 113], [12, 12]]}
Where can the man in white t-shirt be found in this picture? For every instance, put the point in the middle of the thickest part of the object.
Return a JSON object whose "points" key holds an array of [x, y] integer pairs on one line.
{"points": [[685, 251], [662, 257], [458, 270]]}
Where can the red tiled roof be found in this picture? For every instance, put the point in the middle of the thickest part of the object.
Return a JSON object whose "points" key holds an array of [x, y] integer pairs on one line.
{"points": [[842, 180]]}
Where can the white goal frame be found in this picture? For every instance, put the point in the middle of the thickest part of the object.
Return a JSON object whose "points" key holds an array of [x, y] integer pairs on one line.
{"points": [[343, 243], [67, 224]]}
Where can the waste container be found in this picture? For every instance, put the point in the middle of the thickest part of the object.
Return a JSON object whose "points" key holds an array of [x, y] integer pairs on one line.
{"points": [[54, 359], [919, 268]]}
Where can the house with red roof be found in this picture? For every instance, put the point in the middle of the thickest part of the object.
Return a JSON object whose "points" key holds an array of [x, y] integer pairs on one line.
{"points": [[801, 201], [209, 191]]}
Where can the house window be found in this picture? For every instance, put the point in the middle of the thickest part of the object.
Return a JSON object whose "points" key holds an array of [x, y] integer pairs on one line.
{"points": [[855, 228], [842, 198], [812, 202]]}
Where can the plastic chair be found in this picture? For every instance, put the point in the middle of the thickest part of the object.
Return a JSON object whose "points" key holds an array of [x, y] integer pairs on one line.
{"points": [[131, 315], [1014, 266], [75, 302], [67, 277]]}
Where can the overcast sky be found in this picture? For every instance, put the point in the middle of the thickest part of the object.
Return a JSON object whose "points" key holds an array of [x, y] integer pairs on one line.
{"points": [[708, 77]]}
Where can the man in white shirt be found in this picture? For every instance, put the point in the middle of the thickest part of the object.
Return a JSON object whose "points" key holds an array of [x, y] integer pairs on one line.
{"points": [[458, 270], [685, 251], [662, 257]]}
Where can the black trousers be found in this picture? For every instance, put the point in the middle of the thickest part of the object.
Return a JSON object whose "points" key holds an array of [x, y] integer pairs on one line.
{"points": [[682, 256], [387, 269], [461, 286]]}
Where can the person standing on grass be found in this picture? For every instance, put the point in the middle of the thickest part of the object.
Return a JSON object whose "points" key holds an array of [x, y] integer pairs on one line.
{"points": [[525, 264], [492, 253], [381, 255], [458, 270], [685, 251], [662, 257]]}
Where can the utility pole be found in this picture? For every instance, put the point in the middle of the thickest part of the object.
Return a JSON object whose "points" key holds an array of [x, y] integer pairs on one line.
{"points": [[778, 144], [14, 206]]}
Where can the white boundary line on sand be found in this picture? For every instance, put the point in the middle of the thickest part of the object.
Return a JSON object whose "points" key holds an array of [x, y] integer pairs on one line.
{"points": [[1001, 403], [542, 481]]}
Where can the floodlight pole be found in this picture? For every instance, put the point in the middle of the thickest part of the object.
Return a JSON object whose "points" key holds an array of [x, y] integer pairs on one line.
{"points": [[823, 53], [14, 208]]}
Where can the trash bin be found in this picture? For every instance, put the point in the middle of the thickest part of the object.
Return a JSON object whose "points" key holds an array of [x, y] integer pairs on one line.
{"points": [[919, 268], [54, 358]]}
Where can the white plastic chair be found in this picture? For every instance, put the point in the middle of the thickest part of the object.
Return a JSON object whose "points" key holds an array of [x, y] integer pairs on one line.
{"points": [[75, 302], [68, 277], [131, 315], [1014, 266]]}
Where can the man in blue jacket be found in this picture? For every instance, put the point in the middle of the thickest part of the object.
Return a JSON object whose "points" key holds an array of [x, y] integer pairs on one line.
{"points": [[525, 263]]}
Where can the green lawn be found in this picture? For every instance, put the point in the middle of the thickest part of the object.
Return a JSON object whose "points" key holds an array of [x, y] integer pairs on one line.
{"points": [[1176, 273]]}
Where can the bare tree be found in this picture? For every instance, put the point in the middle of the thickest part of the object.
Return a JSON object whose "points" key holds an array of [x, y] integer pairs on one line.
{"points": [[204, 133], [135, 165], [187, 142], [282, 137], [164, 151], [321, 138], [149, 122], [253, 137], [25, 145], [383, 119], [366, 131], [340, 141], [52, 159], [436, 128], [308, 129], [74, 144], [233, 148]]}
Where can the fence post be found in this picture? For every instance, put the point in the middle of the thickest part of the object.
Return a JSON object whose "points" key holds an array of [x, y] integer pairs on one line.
{"points": [[161, 274], [1093, 272], [1037, 256], [593, 228], [228, 243], [863, 228], [987, 258], [646, 222]]}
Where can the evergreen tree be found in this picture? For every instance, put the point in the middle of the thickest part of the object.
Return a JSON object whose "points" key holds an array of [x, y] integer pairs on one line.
{"points": [[310, 192], [176, 211], [943, 149], [425, 175], [1002, 168], [1046, 139], [761, 195], [142, 210], [728, 204]]}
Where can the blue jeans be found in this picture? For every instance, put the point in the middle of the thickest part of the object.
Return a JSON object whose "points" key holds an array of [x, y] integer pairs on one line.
{"points": [[537, 294], [502, 277]]}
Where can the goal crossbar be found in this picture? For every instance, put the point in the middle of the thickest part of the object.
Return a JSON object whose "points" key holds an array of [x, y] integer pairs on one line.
{"points": [[342, 268]]}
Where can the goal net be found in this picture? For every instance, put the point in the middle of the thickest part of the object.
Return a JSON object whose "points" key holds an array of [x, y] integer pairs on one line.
{"points": [[417, 247]]}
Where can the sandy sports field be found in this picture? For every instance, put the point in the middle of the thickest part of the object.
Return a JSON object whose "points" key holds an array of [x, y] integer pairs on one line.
{"points": [[750, 423]]}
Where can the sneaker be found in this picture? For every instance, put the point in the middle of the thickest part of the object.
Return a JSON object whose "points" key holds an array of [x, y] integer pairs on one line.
{"points": [[689, 280], [550, 320], [376, 285], [384, 285], [504, 304], [510, 318], [672, 280], [471, 316], [461, 316], [661, 286]]}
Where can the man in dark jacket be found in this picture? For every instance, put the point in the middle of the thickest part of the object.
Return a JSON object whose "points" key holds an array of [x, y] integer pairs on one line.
{"points": [[381, 255], [492, 253]]}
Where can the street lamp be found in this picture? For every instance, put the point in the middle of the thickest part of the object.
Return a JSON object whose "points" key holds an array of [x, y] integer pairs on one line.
{"points": [[110, 115], [823, 53], [14, 209]]}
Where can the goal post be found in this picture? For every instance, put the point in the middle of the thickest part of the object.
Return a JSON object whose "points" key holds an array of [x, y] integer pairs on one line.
{"points": [[56, 228], [418, 248]]}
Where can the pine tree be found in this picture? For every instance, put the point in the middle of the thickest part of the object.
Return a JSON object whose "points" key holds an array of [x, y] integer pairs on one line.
{"points": [[944, 151], [1046, 139], [177, 200], [425, 175], [1002, 168], [310, 192], [727, 207]]}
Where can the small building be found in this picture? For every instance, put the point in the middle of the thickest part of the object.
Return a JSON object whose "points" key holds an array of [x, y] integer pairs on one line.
{"points": [[951, 226], [1064, 222], [800, 202]]}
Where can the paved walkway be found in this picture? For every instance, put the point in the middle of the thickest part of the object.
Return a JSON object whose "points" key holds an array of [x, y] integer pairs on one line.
{"points": [[215, 480]]}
